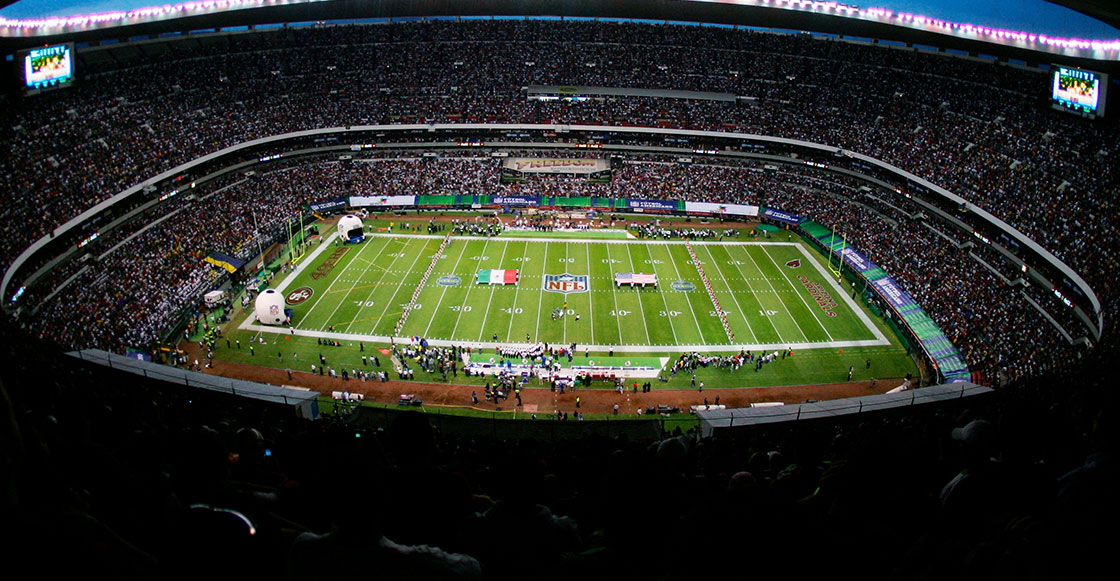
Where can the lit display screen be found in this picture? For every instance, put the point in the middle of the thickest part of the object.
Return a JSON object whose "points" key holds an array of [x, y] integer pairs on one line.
{"points": [[50, 67], [1078, 90]]}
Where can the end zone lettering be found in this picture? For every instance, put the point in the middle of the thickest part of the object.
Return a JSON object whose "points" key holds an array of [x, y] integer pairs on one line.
{"points": [[824, 300], [328, 265]]}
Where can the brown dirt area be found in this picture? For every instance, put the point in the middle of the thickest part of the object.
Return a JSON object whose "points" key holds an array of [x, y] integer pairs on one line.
{"points": [[592, 400]]}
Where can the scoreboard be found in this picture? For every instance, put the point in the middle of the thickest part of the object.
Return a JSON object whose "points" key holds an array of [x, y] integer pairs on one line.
{"points": [[47, 68], [1078, 90]]}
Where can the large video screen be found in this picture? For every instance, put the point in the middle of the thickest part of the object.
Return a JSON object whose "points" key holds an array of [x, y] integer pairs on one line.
{"points": [[49, 67], [1078, 90]]}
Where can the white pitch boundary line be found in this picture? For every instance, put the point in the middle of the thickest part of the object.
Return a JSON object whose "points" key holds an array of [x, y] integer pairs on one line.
{"points": [[490, 301], [862, 316], [617, 348], [435, 309], [337, 276], [731, 291], [799, 295], [650, 241], [393, 299]]}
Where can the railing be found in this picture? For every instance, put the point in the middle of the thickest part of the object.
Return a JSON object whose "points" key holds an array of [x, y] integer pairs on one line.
{"points": [[839, 408]]}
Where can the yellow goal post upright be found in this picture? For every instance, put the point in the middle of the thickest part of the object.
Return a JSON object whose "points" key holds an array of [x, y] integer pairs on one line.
{"points": [[838, 272], [297, 250]]}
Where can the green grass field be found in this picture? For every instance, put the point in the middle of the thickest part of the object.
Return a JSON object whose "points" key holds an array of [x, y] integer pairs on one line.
{"points": [[362, 292], [765, 290]]}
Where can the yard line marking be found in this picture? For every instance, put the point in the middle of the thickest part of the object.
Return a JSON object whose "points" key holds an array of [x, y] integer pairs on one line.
{"points": [[354, 286], [844, 296], [540, 293], [727, 282], [799, 295], [788, 313], [688, 300], [486, 313], [590, 303], [643, 308], [564, 325], [755, 295], [337, 276], [393, 299], [454, 269], [516, 290], [614, 293], [470, 286]]}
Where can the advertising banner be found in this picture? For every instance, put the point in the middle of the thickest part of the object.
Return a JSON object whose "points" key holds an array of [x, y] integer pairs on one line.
{"points": [[662, 205], [728, 209], [890, 291], [857, 261], [555, 165], [782, 216], [328, 206], [383, 201], [516, 200]]}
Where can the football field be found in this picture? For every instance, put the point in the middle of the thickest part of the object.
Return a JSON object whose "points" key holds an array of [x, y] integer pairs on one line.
{"points": [[759, 295]]}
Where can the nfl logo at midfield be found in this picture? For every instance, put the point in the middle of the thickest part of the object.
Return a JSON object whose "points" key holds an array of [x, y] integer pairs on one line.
{"points": [[565, 283]]}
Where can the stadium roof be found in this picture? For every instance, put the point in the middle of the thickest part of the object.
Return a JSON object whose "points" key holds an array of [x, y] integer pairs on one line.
{"points": [[788, 15]]}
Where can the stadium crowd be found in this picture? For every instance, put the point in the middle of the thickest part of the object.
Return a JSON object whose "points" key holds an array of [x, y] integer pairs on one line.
{"points": [[1039, 171], [137, 479], [951, 285]]}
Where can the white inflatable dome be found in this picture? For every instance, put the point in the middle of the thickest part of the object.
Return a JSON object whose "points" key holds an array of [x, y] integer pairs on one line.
{"points": [[270, 307], [347, 226]]}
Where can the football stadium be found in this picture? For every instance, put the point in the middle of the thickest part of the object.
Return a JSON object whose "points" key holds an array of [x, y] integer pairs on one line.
{"points": [[503, 290]]}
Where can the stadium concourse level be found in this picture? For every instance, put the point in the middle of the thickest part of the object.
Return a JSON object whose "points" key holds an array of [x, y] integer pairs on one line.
{"points": [[975, 128], [130, 295], [138, 480]]}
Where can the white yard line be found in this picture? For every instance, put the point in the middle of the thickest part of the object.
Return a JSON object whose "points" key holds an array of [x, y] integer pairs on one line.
{"points": [[614, 293], [470, 285], [799, 295], [844, 296], [384, 271], [564, 318], [731, 291], [699, 329], [590, 302], [540, 291], [516, 290], [642, 306], [490, 301], [747, 280], [454, 269], [393, 299], [771, 285]]}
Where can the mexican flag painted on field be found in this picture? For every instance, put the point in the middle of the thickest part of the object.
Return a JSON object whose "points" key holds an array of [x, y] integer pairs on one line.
{"points": [[497, 277]]}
